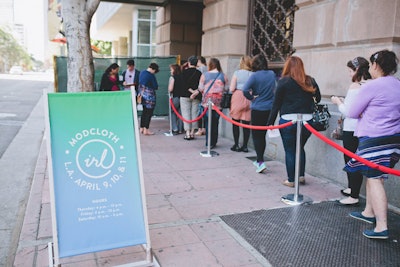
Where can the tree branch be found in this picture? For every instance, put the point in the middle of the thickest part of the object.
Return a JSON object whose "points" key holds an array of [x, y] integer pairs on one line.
{"points": [[91, 7]]}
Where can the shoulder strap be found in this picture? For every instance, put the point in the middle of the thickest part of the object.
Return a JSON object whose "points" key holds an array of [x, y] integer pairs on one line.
{"points": [[209, 87]]}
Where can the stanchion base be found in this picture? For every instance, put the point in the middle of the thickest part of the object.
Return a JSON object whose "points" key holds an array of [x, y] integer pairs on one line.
{"points": [[169, 134], [290, 199], [209, 155]]}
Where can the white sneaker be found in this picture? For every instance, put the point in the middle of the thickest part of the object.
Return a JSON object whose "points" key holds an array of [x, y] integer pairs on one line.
{"points": [[261, 167]]}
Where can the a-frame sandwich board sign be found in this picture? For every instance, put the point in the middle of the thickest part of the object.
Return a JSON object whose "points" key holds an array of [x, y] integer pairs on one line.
{"points": [[95, 174]]}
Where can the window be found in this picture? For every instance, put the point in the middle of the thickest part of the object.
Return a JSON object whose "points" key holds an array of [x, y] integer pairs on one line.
{"points": [[271, 29], [146, 33]]}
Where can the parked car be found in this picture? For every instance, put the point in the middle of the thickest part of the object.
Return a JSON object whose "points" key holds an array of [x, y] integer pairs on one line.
{"points": [[16, 70]]}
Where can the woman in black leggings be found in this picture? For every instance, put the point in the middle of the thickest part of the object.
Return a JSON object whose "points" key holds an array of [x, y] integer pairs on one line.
{"points": [[259, 89], [358, 70]]}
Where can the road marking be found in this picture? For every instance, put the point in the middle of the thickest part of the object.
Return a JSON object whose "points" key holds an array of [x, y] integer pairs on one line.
{"points": [[12, 123], [5, 115]]}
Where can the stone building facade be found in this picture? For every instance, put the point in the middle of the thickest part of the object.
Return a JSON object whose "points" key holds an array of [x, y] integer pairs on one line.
{"points": [[326, 34]]}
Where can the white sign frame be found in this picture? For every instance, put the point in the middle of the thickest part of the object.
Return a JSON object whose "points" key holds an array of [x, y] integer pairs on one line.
{"points": [[53, 249]]}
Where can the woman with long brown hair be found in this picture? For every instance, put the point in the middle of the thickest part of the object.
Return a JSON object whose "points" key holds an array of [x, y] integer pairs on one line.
{"points": [[110, 78], [212, 85], [294, 95]]}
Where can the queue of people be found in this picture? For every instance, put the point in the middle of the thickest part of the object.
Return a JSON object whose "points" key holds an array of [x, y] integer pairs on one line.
{"points": [[371, 111]]}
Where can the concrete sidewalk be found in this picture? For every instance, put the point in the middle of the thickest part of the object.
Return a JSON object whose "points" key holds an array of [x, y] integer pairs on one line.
{"points": [[185, 193]]}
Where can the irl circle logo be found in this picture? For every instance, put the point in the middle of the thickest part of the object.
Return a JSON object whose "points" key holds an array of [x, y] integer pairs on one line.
{"points": [[95, 163], [95, 158]]}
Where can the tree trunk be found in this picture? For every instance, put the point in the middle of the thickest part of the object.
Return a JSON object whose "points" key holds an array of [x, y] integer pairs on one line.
{"points": [[77, 16]]}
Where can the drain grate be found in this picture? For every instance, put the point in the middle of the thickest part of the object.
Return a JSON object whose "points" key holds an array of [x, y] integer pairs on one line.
{"points": [[320, 234]]}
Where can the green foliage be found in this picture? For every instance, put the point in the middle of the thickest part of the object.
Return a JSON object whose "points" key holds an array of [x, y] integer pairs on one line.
{"points": [[11, 52], [104, 46]]}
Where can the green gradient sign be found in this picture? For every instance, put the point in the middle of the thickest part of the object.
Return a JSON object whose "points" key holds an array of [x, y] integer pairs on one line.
{"points": [[95, 163]]}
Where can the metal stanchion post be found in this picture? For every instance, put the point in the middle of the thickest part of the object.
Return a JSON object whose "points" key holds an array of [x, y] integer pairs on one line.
{"points": [[170, 117], [296, 198], [209, 153]]}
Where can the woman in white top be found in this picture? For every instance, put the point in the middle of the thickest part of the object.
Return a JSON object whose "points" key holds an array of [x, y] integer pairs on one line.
{"points": [[358, 69]]}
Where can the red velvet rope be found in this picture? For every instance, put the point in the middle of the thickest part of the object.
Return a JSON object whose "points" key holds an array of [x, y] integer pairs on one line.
{"points": [[182, 118], [308, 127], [351, 154], [254, 127]]}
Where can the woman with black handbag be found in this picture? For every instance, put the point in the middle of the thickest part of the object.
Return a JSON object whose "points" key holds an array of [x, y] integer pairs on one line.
{"points": [[358, 69], [295, 94]]}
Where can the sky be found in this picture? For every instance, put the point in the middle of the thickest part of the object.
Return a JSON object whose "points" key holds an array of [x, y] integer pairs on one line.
{"points": [[31, 14]]}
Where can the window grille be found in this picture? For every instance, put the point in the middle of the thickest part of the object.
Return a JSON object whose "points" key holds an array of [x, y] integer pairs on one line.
{"points": [[271, 27]]}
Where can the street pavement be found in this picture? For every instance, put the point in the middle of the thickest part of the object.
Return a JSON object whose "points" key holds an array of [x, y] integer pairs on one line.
{"points": [[21, 133], [186, 194]]}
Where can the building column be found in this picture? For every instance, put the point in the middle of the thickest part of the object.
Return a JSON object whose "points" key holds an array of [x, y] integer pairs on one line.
{"points": [[123, 46], [114, 49], [225, 32], [179, 29]]}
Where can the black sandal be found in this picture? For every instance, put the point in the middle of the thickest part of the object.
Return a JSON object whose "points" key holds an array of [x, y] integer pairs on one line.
{"points": [[187, 137]]}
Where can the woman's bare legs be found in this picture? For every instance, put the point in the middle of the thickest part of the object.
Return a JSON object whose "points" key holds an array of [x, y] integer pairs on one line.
{"points": [[378, 203], [368, 211]]}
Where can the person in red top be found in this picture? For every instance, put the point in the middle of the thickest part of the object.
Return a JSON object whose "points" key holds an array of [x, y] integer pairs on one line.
{"points": [[110, 78]]}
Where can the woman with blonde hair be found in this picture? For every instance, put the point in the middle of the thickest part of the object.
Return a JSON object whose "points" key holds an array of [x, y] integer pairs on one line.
{"points": [[294, 95], [240, 105]]}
